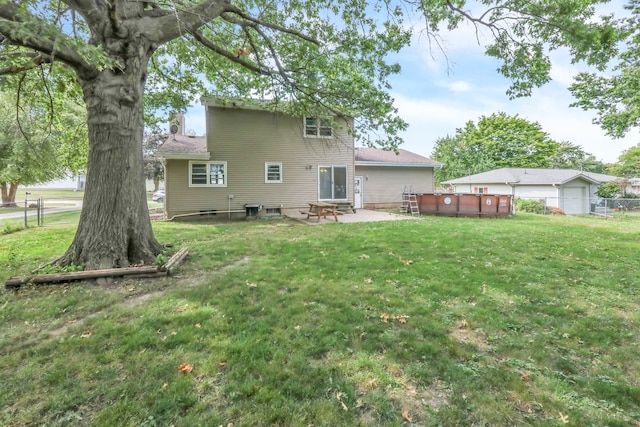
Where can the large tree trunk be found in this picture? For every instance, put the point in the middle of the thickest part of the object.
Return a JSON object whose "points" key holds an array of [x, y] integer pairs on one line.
{"points": [[8, 190], [115, 228]]}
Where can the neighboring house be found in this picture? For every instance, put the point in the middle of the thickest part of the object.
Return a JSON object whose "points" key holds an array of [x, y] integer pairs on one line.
{"points": [[381, 176], [568, 189], [72, 182], [633, 185], [255, 161]]}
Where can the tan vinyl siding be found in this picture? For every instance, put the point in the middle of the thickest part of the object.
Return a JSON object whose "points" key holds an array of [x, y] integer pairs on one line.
{"points": [[382, 186], [246, 139]]}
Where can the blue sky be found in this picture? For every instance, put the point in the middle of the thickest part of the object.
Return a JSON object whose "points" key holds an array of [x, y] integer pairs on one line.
{"points": [[436, 93]]}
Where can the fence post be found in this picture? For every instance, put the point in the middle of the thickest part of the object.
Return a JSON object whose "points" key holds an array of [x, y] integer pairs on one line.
{"points": [[26, 205]]}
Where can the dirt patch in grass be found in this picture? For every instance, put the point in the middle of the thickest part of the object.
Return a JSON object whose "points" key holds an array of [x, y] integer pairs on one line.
{"points": [[463, 334], [415, 402], [189, 282]]}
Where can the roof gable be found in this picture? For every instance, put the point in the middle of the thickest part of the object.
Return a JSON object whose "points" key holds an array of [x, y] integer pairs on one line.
{"points": [[183, 146]]}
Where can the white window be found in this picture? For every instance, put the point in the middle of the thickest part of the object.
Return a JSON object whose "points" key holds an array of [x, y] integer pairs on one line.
{"points": [[207, 174], [332, 183], [273, 172], [315, 127]]}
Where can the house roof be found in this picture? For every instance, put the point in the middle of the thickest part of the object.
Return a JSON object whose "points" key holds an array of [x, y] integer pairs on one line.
{"points": [[274, 106], [184, 147], [366, 156], [531, 176]]}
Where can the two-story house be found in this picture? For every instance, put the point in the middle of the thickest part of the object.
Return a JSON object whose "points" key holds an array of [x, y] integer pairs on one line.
{"points": [[254, 161]]}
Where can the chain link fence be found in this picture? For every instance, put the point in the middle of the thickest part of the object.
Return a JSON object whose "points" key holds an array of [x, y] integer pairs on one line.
{"points": [[607, 208], [38, 211], [628, 208]]}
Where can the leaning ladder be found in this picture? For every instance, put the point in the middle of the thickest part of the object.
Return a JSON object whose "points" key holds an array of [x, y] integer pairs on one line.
{"points": [[409, 201]]}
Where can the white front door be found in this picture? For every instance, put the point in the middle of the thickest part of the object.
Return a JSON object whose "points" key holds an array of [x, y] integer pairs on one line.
{"points": [[357, 191]]}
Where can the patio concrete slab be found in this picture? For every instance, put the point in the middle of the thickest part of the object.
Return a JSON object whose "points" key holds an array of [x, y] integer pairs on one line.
{"points": [[361, 215]]}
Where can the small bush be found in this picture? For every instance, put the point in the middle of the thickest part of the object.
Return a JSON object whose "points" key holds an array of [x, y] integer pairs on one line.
{"points": [[11, 228], [531, 206], [608, 190]]}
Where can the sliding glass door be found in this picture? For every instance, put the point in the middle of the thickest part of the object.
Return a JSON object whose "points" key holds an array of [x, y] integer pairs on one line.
{"points": [[332, 183]]}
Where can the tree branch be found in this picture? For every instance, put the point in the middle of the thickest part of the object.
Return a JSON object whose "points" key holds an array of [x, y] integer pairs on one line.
{"points": [[230, 56], [176, 24], [12, 28], [36, 61], [93, 11], [255, 22]]}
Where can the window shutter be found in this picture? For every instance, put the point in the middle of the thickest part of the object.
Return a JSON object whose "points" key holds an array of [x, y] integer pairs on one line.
{"points": [[486, 190], [475, 189]]}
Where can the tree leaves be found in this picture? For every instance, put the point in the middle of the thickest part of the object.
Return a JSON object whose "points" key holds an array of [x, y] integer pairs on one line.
{"points": [[499, 141]]}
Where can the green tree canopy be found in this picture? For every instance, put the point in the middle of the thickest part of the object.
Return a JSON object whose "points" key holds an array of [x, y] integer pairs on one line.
{"points": [[494, 142], [309, 57], [37, 146], [614, 93], [628, 164], [571, 156]]}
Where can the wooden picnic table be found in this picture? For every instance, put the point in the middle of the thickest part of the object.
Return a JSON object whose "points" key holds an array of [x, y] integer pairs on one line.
{"points": [[322, 209]]}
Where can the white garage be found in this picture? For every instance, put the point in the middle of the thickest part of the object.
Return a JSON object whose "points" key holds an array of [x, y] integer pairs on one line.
{"points": [[566, 189]]}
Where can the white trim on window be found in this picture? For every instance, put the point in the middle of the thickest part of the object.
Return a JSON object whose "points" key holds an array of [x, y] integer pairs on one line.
{"points": [[207, 174], [316, 127], [273, 172]]}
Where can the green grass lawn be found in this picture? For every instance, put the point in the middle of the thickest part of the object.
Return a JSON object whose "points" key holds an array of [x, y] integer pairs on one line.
{"points": [[532, 320]]}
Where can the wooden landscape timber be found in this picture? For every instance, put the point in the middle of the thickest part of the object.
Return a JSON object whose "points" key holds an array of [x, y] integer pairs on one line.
{"points": [[146, 271]]}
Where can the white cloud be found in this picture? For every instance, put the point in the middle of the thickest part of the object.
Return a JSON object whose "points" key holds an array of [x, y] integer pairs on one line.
{"points": [[431, 119], [457, 86]]}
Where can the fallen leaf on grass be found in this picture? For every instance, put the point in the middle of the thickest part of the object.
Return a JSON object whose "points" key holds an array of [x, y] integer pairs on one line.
{"points": [[407, 416], [525, 376], [339, 397], [401, 318], [222, 365], [198, 325], [86, 334], [185, 368], [564, 418], [406, 261], [368, 280], [463, 324], [364, 256]]}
